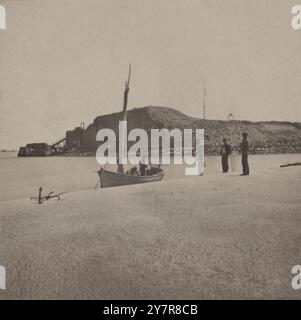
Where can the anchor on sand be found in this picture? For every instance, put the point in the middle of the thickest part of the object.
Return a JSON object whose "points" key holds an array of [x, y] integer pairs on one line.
{"points": [[50, 195]]}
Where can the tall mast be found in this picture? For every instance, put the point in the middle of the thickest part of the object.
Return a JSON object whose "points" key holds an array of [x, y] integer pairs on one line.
{"points": [[126, 93], [123, 139]]}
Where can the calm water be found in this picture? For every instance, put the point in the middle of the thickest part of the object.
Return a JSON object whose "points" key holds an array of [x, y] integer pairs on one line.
{"points": [[21, 177]]}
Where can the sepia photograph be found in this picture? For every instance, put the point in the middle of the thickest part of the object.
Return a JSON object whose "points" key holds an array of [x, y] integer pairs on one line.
{"points": [[150, 151]]}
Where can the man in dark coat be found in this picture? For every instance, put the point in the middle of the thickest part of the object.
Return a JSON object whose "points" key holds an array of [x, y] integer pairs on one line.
{"points": [[225, 152], [244, 149], [142, 168]]}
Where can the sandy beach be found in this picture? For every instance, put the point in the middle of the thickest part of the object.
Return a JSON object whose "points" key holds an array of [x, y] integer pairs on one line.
{"points": [[217, 236]]}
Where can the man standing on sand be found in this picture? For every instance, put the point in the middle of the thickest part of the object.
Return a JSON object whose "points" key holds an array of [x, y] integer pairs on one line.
{"points": [[225, 152], [244, 149]]}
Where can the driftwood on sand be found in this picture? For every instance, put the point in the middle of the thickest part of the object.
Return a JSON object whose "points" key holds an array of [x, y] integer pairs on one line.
{"points": [[290, 164]]}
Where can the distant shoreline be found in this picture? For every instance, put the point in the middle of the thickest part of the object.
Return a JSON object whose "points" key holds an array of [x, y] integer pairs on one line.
{"points": [[92, 154]]}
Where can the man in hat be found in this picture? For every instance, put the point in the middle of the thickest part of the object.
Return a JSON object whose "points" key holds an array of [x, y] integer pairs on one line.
{"points": [[244, 149], [225, 152]]}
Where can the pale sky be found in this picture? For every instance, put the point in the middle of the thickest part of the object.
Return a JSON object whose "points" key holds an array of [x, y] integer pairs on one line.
{"points": [[65, 61]]}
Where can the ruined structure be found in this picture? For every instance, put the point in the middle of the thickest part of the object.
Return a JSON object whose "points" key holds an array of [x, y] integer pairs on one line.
{"points": [[74, 138], [35, 150]]}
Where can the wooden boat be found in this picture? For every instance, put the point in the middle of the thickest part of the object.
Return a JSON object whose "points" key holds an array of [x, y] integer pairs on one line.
{"points": [[114, 179]]}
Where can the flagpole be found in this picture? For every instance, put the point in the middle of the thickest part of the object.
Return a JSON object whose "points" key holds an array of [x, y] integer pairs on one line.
{"points": [[204, 102]]}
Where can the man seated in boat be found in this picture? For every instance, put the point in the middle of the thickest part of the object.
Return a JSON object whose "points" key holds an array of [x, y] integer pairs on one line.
{"points": [[144, 170], [133, 171], [153, 169]]}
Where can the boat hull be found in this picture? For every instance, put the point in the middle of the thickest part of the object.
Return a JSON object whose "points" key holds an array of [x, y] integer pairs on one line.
{"points": [[114, 179]]}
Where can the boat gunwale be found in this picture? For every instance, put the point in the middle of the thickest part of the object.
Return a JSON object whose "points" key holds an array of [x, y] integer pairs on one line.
{"points": [[131, 176]]}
